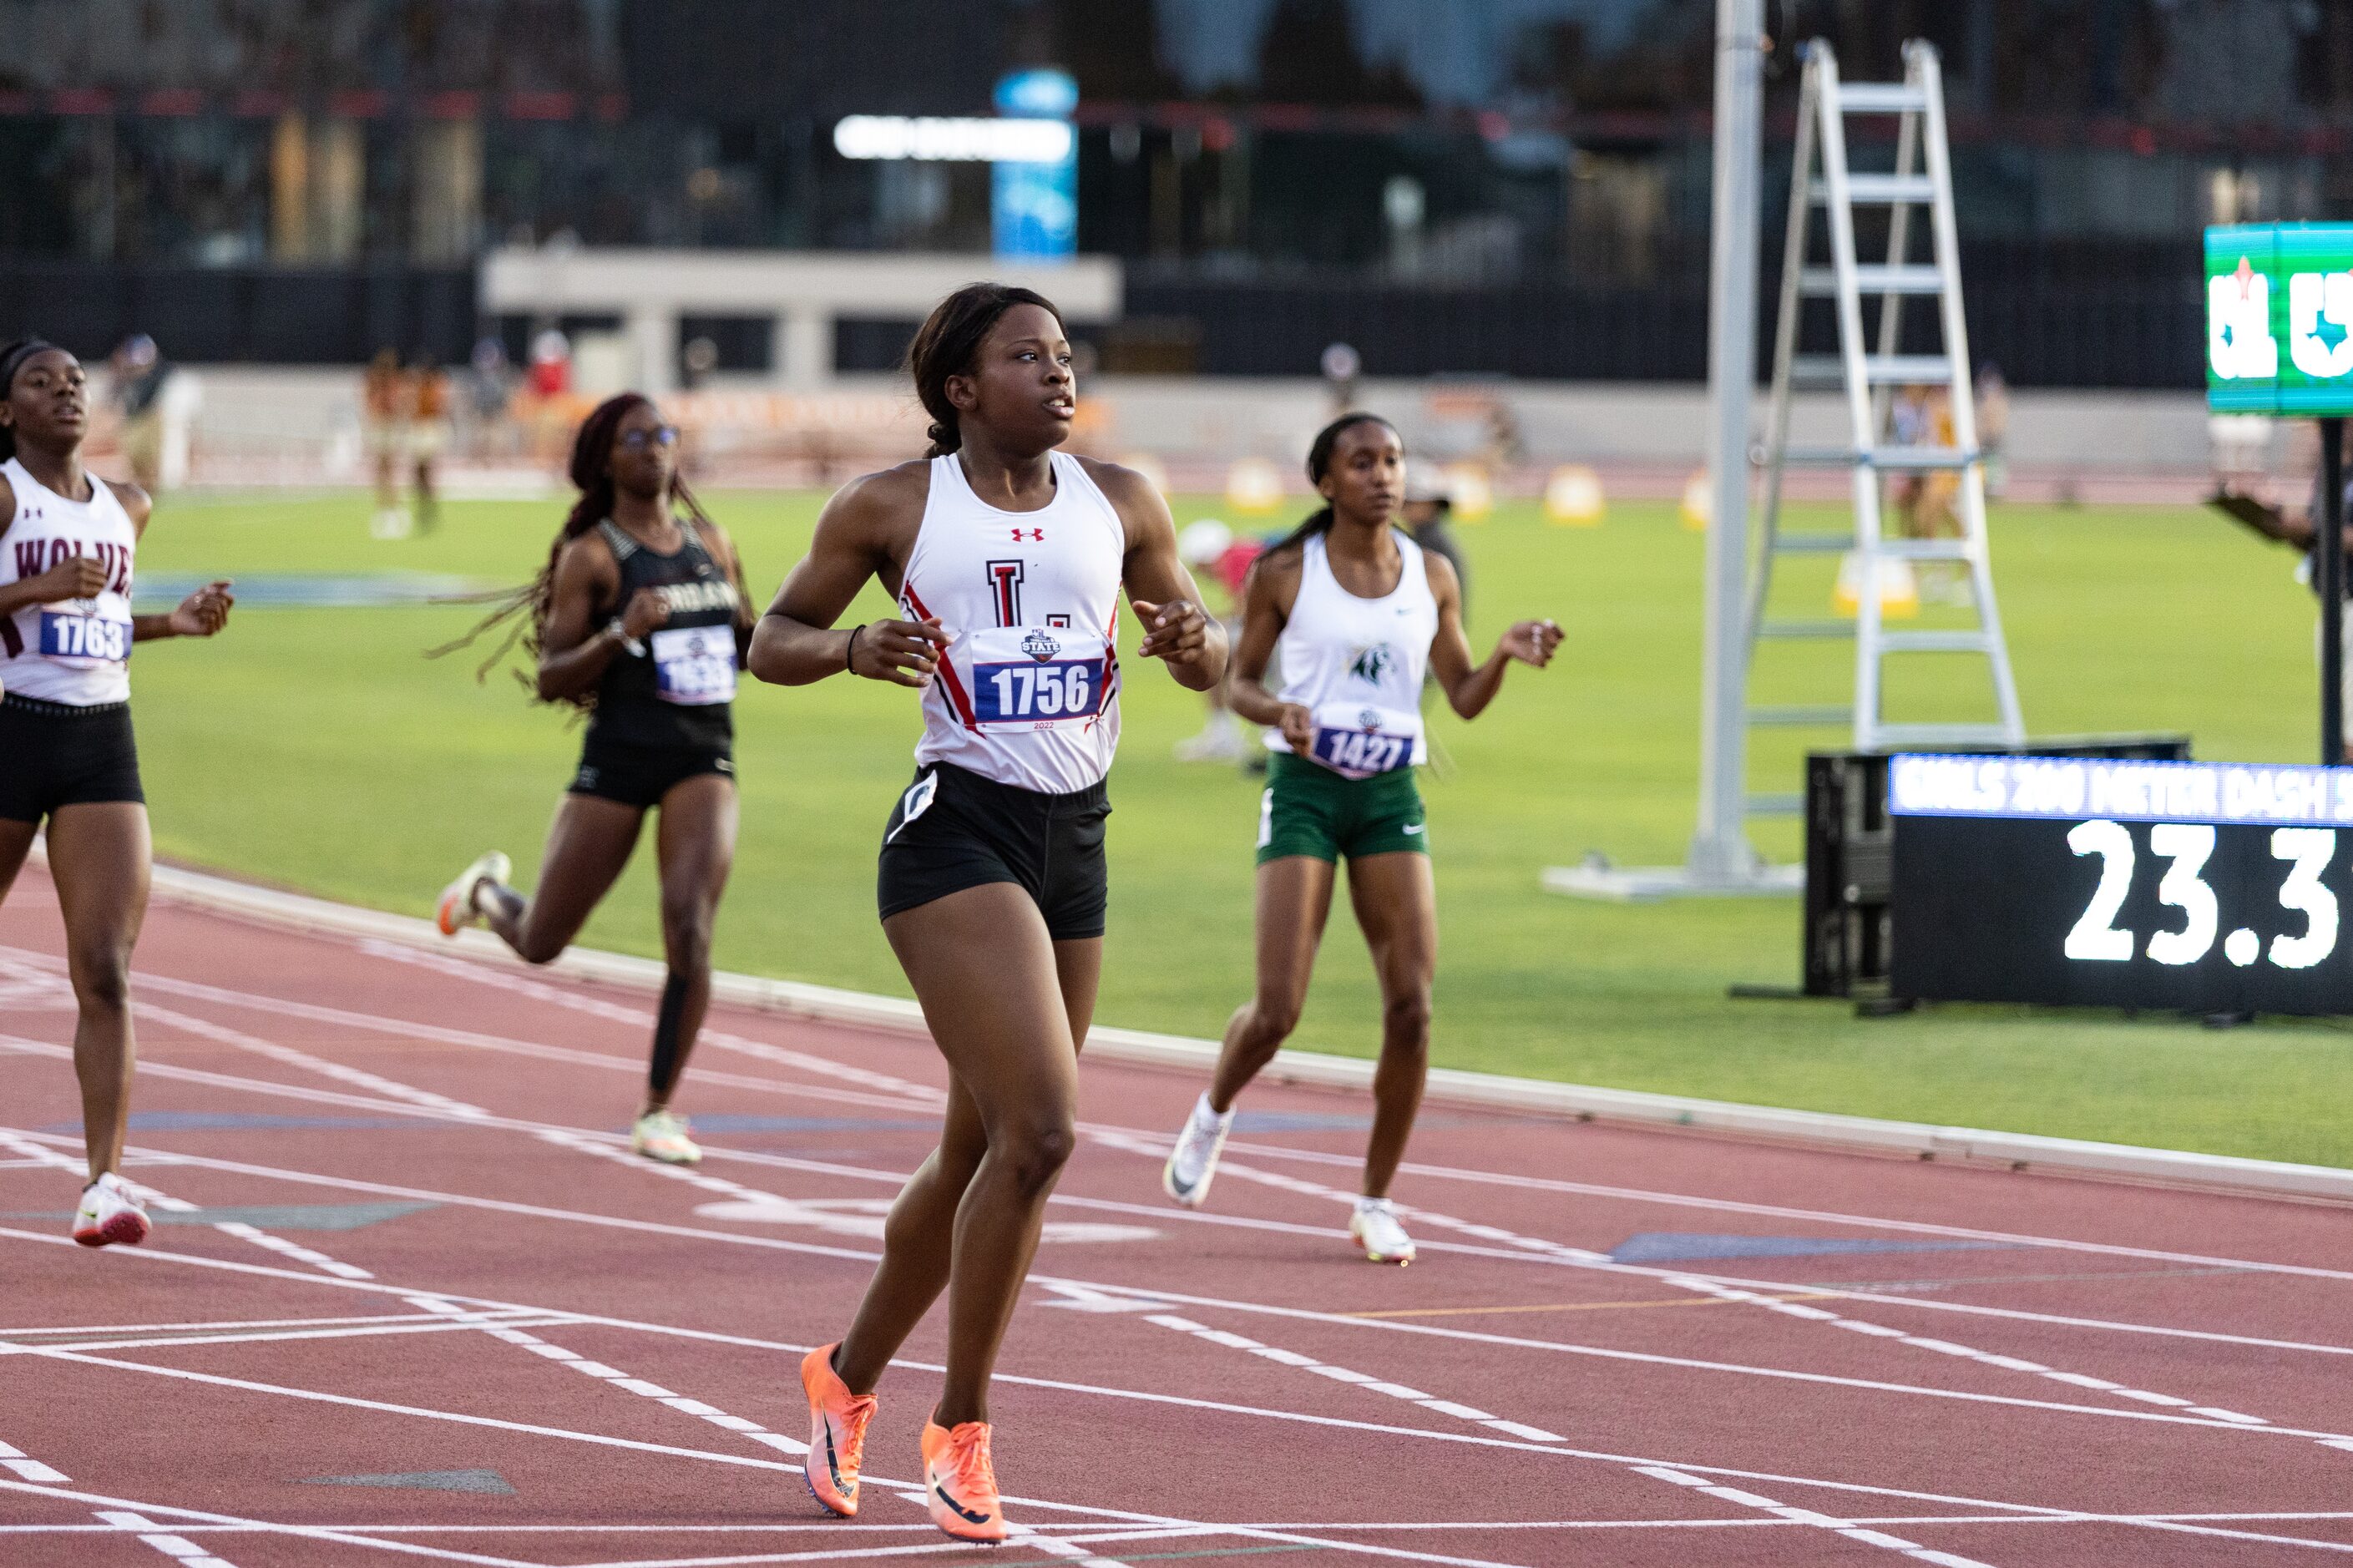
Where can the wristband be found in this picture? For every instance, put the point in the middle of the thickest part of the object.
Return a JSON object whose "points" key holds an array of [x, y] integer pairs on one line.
{"points": [[620, 634], [849, 657]]}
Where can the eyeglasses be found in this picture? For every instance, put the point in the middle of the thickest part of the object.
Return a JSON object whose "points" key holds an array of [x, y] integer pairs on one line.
{"points": [[659, 435]]}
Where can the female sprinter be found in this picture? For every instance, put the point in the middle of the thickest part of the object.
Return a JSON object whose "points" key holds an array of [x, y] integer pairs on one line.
{"points": [[634, 618], [1358, 613], [67, 539], [1007, 559]]}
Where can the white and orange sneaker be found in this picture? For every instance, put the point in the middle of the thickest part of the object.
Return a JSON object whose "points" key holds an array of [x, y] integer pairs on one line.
{"points": [[110, 1215], [838, 1420], [457, 909], [664, 1135], [960, 1483], [1374, 1226]]}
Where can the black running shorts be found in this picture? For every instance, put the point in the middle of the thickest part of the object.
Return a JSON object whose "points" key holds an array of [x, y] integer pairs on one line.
{"points": [[953, 829], [640, 775], [58, 754]]}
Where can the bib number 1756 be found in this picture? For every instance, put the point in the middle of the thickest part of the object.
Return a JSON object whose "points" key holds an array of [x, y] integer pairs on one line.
{"points": [[1033, 693]]}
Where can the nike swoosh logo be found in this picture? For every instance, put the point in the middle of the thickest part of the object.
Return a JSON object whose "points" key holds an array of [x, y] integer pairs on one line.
{"points": [[956, 1508], [1412, 827], [832, 1464]]}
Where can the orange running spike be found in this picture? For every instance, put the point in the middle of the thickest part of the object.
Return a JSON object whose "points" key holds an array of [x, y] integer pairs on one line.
{"points": [[838, 1420], [960, 1483]]}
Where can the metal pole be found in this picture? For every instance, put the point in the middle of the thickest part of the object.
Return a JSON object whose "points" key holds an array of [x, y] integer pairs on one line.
{"points": [[1720, 850], [2328, 564]]}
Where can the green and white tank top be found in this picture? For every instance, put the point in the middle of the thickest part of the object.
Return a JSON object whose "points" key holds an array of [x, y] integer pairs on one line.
{"points": [[1357, 664]]}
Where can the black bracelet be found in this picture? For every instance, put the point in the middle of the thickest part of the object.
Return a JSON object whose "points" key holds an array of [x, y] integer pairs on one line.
{"points": [[849, 658]]}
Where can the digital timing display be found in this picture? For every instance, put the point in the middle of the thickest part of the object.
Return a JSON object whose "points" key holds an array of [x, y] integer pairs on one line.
{"points": [[2204, 887]]}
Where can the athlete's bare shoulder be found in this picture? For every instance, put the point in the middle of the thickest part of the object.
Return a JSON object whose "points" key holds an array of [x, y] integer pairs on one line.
{"points": [[7, 504], [137, 504], [878, 512]]}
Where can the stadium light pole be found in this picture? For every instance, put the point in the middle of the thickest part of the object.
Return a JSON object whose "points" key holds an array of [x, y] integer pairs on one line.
{"points": [[1721, 859]]}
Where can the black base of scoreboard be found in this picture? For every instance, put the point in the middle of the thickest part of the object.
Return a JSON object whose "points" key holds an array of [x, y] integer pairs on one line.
{"points": [[1850, 937]]}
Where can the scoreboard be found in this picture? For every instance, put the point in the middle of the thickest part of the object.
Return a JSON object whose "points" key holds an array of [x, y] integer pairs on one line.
{"points": [[2203, 887]]}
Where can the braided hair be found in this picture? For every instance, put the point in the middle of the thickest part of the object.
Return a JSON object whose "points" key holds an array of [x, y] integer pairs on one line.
{"points": [[948, 342], [591, 472], [1319, 463], [13, 359]]}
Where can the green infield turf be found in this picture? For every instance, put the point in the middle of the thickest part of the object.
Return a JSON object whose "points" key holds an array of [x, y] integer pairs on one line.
{"points": [[318, 748]]}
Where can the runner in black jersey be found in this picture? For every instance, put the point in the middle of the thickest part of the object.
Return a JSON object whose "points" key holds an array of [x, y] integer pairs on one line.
{"points": [[639, 617]]}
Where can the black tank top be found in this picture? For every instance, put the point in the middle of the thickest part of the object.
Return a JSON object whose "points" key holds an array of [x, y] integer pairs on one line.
{"points": [[680, 691]]}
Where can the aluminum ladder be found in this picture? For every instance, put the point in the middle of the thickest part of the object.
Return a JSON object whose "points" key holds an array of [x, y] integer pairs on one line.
{"points": [[1868, 377]]}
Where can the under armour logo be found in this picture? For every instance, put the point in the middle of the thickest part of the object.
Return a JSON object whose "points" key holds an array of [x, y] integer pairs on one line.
{"points": [[1035, 535]]}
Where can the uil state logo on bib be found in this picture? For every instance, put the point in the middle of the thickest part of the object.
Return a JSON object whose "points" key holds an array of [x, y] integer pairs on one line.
{"points": [[1040, 647]]}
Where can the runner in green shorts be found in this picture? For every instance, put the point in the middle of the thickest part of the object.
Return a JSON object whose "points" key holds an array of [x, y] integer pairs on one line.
{"points": [[1361, 615]]}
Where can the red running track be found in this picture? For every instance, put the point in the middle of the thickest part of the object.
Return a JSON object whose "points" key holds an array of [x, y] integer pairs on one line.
{"points": [[418, 1303]]}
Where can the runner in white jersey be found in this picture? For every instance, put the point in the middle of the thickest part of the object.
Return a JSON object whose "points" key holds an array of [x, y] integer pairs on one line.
{"points": [[1006, 558], [1362, 615], [67, 540]]}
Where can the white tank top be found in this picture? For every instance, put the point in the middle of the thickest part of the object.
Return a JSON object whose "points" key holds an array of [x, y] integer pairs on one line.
{"points": [[76, 651], [1358, 664], [1029, 692]]}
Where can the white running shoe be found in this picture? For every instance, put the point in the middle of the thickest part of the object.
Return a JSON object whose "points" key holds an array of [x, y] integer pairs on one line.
{"points": [[1374, 1226], [662, 1135], [110, 1215], [1220, 742], [1193, 1161], [457, 909]]}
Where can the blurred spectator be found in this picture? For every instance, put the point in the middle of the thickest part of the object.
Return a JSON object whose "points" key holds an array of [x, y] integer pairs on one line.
{"points": [[490, 387], [1429, 517], [157, 403], [1993, 426], [429, 396], [385, 406], [1216, 555], [697, 362], [550, 365]]}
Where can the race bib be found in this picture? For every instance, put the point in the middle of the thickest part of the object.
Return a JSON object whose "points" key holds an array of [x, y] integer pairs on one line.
{"points": [[694, 665], [1358, 742], [1036, 676], [85, 642]]}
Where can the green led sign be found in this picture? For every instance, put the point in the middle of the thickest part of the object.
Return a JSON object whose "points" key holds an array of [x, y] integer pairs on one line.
{"points": [[2279, 318]]}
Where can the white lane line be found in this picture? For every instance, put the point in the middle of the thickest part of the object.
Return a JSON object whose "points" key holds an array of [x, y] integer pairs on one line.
{"points": [[182, 1518], [162, 1541], [1385, 1325], [229, 1323], [746, 1342], [221, 1034], [1370, 1384], [157, 1198], [381, 1330], [1701, 1284], [507, 1330], [462, 968], [1739, 1498], [1142, 1142], [18, 1463]]}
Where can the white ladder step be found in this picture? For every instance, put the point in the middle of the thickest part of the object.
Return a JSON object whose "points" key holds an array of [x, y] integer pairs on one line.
{"points": [[1894, 737], [1796, 630], [1875, 277], [1812, 543], [1802, 717], [1878, 98], [1817, 372], [1777, 806], [1879, 189], [1935, 642], [1925, 549], [1908, 459]]}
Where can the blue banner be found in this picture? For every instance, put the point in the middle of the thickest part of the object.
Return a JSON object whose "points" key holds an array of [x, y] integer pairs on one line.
{"points": [[1034, 208]]}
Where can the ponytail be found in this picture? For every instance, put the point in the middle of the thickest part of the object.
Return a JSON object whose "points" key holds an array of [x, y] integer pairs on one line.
{"points": [[591, 471]]}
